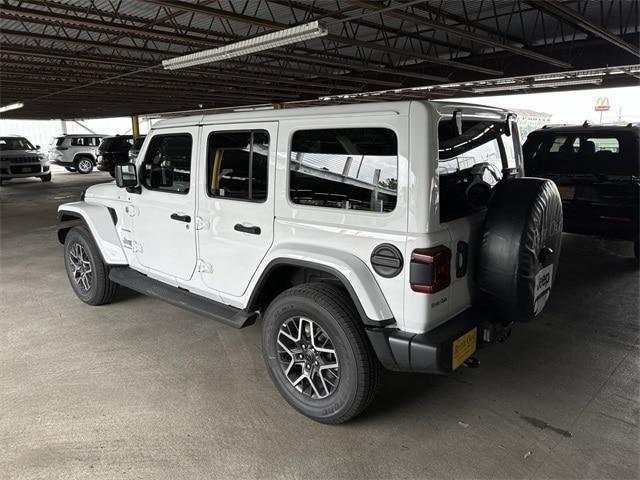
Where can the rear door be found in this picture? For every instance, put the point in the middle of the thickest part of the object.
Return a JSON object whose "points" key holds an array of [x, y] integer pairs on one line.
{"points": [[236, 204]]}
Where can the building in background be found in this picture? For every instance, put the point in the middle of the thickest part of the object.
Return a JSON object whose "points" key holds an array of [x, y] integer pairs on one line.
{"points": [[530, 120]]}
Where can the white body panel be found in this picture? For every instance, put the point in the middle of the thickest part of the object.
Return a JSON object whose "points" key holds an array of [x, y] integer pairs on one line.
{"points": [[225, 265]]}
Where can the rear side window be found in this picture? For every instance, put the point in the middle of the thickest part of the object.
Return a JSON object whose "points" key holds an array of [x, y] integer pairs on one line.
{"points": [[167, 163], [84, 142], [237, 165], [347, 168]]}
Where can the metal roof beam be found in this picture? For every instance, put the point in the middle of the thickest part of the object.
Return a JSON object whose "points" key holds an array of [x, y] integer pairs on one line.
{"points": [[575, 19], [475, 37], [214, 12]]}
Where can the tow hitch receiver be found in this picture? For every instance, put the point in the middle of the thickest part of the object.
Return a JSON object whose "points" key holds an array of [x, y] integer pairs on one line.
{"points": [[492, 331]]}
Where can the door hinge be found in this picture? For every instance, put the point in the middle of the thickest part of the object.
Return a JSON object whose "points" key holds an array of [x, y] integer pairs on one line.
{"points": [[204, 267], [201, 223], [131, 210]]}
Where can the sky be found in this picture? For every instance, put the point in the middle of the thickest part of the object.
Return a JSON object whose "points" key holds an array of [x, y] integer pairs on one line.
{"points": [[572, 107]]}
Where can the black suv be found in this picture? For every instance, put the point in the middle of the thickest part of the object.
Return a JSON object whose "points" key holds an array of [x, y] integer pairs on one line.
{"points": [[112, 151], [596, 170]]}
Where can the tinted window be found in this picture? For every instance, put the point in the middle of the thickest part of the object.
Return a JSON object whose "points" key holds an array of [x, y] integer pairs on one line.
{"points": [[168, 163], [580, 153], [349, 168], [83, 142], [15, 143], [238, 164], [119, 144]]}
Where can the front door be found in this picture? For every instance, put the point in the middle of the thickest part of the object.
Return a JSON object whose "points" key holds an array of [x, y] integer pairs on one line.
{"points": [[236, 205], [163, 214]]}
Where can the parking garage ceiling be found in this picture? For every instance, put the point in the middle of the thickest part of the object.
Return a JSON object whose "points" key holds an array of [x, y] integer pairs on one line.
{"points": [[102, 58]]}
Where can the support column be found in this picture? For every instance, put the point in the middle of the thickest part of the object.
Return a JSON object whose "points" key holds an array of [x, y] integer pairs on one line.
{"points": [[135, 127]]}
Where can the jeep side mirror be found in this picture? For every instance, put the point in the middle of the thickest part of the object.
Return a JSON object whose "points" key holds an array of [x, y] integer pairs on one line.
{"points": [[160, 177], [126, 175]]}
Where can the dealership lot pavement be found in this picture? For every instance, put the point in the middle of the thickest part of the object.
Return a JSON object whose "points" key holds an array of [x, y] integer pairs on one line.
{"points": [[141, 389]]}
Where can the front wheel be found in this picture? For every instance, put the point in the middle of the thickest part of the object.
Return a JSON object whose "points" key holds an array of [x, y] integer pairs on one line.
{"points": [[317, 353], [88, 274], [84, 165]]}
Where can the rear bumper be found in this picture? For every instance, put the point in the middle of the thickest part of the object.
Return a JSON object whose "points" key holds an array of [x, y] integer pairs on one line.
{"points": [[430, 352]]}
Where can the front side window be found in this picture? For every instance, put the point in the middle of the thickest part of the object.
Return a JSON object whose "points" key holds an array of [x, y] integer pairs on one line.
{"points": [[237, 165], [347, 168], [167, 163]]}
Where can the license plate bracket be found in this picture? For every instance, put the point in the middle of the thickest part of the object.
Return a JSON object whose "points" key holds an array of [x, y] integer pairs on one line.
{"points": [[463, 347]]}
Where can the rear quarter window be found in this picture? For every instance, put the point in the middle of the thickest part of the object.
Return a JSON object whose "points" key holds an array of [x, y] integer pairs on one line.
{"points": [[345, 168]]}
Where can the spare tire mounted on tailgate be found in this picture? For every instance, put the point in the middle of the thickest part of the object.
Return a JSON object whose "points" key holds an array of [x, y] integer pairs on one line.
{"points": [[520, 247]]}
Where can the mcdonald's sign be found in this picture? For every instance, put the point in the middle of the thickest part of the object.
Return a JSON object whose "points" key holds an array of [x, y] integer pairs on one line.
{"points": [[602, 104]]}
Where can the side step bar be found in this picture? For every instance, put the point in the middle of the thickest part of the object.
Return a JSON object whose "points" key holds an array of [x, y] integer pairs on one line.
{"points": [[127, 277]]}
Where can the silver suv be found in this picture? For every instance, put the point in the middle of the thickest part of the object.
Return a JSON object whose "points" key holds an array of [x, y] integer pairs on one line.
{"points": [[76, 153], [19, 158]]}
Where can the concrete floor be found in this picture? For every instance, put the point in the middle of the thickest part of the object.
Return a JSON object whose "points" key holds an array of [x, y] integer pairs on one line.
{"points": [[140, 389]]}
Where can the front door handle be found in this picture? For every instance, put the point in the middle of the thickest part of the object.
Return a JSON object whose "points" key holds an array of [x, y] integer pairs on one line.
{"points": [[181, 217], [250, 229]]}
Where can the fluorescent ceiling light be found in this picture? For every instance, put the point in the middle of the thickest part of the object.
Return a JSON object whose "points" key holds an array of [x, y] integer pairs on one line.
{"points": [[504, 88], [288, 36], [13, 106]]}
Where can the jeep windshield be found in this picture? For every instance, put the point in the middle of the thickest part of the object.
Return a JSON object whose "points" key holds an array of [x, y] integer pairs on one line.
{"points": [[472, 157], [15, 143]]}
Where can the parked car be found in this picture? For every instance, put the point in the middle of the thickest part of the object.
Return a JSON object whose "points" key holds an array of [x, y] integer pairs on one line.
{"points": [[135, 148], [114, 151], [396, 235], [76, 153], [596, 169], [19, 158]]}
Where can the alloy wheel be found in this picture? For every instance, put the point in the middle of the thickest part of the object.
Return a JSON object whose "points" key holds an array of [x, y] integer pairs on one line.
{"points": [[308, 358], [85, 165], [80, 267]]}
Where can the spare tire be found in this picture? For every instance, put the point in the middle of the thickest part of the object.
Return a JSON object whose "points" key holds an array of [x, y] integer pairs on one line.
{"points": [[520, 248]]}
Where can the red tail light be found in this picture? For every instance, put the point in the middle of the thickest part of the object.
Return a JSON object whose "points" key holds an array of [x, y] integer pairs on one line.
{"points": [[430, 269]]}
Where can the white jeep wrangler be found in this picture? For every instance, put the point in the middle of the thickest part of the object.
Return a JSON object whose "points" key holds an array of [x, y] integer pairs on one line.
{"points": [[394, 235]]}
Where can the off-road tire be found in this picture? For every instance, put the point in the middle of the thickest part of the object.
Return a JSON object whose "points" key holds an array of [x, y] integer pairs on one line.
{"points": [[84, 165], [102, 289], [330, 308]]}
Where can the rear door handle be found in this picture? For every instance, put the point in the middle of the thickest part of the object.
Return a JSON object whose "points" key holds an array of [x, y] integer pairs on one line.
{"points": [[181, 217], [250, 229]]}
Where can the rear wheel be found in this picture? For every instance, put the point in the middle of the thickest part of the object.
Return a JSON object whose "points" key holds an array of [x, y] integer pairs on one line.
{"points": [[88, 274], [84, 165], [317, 353]]}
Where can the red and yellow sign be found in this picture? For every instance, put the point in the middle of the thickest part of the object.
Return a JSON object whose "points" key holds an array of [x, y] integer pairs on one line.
{"points": [[602, 104]]}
